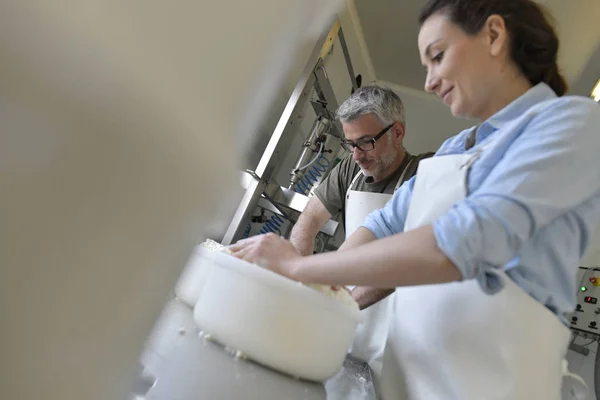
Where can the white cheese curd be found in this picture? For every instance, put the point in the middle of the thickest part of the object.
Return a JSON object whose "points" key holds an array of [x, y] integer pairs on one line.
{"points": [[337, 292], [214, 246]]}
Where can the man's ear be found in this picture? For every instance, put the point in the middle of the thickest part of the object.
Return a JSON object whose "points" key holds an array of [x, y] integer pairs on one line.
{"points": [[398, 130]]}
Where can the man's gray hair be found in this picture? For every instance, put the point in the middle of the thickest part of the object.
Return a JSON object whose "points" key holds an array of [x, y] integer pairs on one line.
{"points": [[382, 102]]}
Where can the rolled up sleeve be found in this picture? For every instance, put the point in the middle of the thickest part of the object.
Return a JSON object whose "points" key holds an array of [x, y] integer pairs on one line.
{"points": [[548, 170]]}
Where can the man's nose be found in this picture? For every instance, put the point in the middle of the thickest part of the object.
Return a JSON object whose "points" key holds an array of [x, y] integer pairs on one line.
{"points": [[357, 153]]}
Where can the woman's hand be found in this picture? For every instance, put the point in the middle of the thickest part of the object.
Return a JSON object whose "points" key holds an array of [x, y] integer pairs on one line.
{"points": [[269, 251]]}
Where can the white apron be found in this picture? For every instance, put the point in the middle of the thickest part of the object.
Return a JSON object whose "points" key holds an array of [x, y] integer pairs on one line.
{"points": [[371, 333], [454, 342]]}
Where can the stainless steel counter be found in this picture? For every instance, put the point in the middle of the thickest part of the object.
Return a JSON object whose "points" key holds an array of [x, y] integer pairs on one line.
{"points": [[184, 366]]}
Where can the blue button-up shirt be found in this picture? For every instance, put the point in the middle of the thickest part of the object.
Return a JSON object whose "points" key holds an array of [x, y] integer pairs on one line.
{"points": [[533, 197]]}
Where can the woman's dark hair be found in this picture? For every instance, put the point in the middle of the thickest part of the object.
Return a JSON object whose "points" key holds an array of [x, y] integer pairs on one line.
{"points": [[533, 41]]}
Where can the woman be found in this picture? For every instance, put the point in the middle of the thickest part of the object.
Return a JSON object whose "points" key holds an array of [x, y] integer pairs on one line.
{"points": [[483, 244]]}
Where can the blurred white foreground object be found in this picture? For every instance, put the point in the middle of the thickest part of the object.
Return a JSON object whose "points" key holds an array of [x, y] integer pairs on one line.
{"points": [[118, 125], [192, 279], [276, 321]]}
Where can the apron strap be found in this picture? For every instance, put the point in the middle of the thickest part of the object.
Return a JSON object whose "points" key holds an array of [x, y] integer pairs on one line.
{"points": [[403, 175], [358, 175]]}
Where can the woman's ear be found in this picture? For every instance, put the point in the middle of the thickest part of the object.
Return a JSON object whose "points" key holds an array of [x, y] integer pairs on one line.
{"points": [[496, 35]]}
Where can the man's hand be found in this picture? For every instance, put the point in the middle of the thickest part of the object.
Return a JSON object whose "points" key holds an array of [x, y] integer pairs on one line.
{"points": [[367, 296], [269, 251]]}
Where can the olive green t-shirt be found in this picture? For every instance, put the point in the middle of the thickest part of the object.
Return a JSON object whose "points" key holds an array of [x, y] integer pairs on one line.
{"points": [[332, 191]]}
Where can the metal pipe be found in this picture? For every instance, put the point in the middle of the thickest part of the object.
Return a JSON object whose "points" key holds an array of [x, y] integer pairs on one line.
{"points": [[311, 162], [313, 141], [347, 58]]}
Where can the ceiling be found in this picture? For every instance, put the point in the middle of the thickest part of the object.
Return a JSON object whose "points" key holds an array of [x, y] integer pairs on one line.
{"points": [[390, 30]]}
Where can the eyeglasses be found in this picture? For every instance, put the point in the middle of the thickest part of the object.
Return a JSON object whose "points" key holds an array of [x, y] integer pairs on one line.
{"points": [[364, 144]]}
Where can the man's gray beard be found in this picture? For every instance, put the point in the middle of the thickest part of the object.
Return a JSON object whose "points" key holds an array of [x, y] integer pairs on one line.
{"points": [[381, 165]]}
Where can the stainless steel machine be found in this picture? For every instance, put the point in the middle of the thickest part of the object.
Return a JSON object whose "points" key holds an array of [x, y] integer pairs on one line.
{"points": [[586, 317], [284, 203]]}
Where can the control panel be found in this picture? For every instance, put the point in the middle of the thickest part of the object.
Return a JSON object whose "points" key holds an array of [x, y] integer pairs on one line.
{"points": [[586, 316]]}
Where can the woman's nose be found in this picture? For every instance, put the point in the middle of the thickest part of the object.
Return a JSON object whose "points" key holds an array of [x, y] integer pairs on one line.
{"points": [[431, 82]]}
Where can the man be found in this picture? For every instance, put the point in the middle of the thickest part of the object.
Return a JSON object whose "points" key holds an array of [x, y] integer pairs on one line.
{"points": [[373, 122]]}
